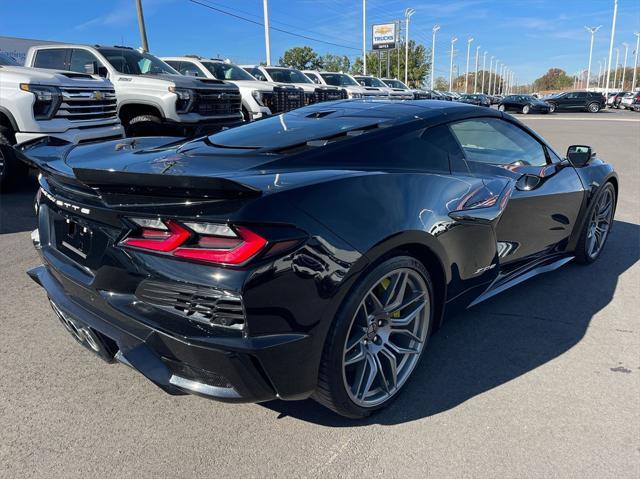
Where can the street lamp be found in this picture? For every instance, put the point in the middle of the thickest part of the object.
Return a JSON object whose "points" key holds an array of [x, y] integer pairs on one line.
{"points": [[267, 40], [635, 64], [466, 73], [453, 41], [364, 37], [613, 33], [599, 73], [433, 54], [484, 66], [407, 15], [495, 77], [624, 68], [475, 76], [615, 75], [593, 31], [489, 81]]}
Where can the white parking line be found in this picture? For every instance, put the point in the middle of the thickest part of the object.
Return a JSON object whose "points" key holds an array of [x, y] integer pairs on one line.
{"points": [[600, 118]]}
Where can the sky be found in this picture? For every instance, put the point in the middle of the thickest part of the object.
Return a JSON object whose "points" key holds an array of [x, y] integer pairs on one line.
{"points": [[530, 36]]}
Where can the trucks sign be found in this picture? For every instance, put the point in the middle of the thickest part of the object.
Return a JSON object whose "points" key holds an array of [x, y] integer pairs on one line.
{"points": [[384, 36]]}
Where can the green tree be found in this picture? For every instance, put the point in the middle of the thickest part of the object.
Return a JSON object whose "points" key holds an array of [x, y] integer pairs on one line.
{"points": [[302, 58], [335, 63], [554, 79], [419, 67]]}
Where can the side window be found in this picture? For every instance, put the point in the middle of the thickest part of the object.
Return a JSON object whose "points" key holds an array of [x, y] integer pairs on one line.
{"points": [[82, 61], [258, 74], [174, 64], [313, 77], [52, 58], [190, 69], [572, 96], [498, 142]]}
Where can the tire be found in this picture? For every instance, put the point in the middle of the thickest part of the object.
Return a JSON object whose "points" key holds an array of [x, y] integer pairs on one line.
{"points": [[340, 367], [552, 107], [584, 252], [501, 108], [526, 109], [593, 107], [245, 115], [12, 171], [143, 125]]}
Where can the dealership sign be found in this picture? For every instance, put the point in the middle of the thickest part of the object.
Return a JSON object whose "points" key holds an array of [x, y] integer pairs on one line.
{"points": [[384, 36]]}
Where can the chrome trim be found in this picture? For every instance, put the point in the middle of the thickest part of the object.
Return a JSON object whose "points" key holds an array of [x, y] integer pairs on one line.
{"points": [[201, 388], [35, 238]]}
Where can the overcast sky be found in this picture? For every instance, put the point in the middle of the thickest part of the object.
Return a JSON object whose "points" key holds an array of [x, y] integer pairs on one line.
{"points": [[530, 36]]}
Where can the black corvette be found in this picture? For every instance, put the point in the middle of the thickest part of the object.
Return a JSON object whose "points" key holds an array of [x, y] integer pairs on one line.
{"points": [[524, 104], [310, 254]]}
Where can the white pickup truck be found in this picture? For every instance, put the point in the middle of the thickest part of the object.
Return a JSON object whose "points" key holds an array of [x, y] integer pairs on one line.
{"points": [[153, 98], [74, 107]]}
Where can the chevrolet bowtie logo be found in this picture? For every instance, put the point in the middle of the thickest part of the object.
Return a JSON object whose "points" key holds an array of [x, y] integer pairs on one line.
{"points": [[383, 30], [98, 95]]}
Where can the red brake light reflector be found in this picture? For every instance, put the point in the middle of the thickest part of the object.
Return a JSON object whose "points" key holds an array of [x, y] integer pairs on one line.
{"points": [[159, 240], [223, 250]]}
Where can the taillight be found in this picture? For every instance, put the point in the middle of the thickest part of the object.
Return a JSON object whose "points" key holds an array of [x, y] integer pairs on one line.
{"points": [[208, 242]]}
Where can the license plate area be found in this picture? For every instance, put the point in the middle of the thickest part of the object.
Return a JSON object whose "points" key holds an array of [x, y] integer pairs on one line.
{"points": [[77, 239]]}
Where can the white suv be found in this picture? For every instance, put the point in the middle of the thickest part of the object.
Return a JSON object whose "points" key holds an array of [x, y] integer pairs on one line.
{"points": [[312, 93], [259, 98], [373, 82], [152, 97], [35, 103], [342, 80], [397, 85]]}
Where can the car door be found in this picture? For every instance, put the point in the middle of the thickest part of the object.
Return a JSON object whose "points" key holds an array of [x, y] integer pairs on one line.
{"points": [[548, 194], [575, 101]]}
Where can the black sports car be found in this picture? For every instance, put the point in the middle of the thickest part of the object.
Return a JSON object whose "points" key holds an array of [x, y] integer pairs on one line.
{"points": [[310, 254], [524, 104], [476, 99]]}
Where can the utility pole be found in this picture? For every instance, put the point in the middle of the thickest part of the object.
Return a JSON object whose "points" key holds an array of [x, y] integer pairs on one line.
{"points": [[466, 72], [364, 37], [143, 30], [635, 63], [434, 30], [624, 68], [267, 40], [593, 31], [475, 76], [453, 41], [484, 67], [407, 15], [613, 34]]}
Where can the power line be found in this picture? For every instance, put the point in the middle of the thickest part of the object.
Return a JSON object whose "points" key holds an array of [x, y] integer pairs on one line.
{"points": [[240, 17]]}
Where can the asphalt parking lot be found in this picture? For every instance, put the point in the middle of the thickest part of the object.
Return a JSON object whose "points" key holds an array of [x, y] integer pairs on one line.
{"points": [[541, 381]]}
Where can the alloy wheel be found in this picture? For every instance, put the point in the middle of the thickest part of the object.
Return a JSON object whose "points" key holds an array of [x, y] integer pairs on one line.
{"points": [[525, 109], [386, 338], [594, 108], [600, 224]]}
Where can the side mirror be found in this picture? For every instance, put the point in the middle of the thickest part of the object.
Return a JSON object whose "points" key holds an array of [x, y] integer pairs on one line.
{"points": [[103, 72], [579, 155]]}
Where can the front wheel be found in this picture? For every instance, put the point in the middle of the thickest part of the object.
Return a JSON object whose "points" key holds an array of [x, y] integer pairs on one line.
{"points": [[552, 108], [598, 225], [501, 108], [526, 109], [377, 338], [593, 108]]}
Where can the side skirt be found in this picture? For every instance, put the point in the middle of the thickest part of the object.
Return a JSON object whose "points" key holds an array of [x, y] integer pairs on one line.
{"points": [[500, 287]]}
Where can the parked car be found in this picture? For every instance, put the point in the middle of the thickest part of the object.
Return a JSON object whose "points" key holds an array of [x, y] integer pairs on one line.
{"points": [[476, 99], [590, 101], [345, 81], [36, 103], [613, 101], [259, 98], [444, 95], [312, 93], [373, 82], [629, 99], [253, 265], [153, 98], [524, 104], [397, 85]]}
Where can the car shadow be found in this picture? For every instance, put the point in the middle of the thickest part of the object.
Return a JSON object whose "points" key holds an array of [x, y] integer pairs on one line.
{"points": [[499, 340], [16, 208]]}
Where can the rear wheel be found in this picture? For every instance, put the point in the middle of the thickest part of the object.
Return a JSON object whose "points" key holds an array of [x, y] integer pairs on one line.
{"points": [[596, 230], [593, 108], [526, 109], [552, 107], [377, 338], [501, 108]]}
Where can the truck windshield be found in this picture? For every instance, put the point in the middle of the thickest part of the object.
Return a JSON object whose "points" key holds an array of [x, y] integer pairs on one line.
{"points": [[132, 62], [6, 60], [227, 71], [282, 75], [396, 84], [371, 81], [338, 79]]}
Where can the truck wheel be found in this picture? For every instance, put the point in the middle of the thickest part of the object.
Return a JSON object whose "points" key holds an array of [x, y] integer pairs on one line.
{"points": [[143, 125], [11, 170]]}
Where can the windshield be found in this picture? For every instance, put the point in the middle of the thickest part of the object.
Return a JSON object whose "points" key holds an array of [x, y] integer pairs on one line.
{"points": [[371, 81], [227, 71], [396, 84], [288, 76], [6, 60], [338, 79], [132, 62]]}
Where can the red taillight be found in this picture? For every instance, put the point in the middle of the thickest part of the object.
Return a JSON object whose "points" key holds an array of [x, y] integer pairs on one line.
{"points": [[227, 246]]}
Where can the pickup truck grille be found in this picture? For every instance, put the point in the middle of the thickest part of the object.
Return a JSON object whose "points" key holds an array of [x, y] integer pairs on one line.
{"points": [[325, 94], [215, 102], [87, 104], [283, 99]]}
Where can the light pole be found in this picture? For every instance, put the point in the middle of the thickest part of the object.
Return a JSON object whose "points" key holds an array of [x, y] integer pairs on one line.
{"points": [[635, 63], [484, 66], [364, 37], [489, 81], [453, 41], [466, 72], [613, 33], [407, 15], [593, 31], [624, 68], [434, 30], [475, 76], [599, 73], [495, 77], [267, 40], [615, 75], [143, 30]]}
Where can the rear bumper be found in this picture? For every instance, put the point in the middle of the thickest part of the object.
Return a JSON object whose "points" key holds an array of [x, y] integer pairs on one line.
{"points": [[225, 368]]}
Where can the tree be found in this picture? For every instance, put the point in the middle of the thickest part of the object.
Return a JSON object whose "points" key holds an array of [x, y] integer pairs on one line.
{"points": [[377, 63], [335, 63], [554, 79], [302, 58]]}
